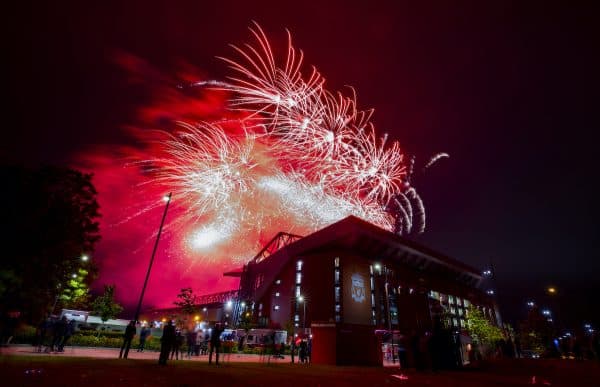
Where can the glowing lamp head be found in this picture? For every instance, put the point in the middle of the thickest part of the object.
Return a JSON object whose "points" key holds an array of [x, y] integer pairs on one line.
{"points": [[73, 275], [551, 290], [85, 258], [300, 298], [166, 198]]}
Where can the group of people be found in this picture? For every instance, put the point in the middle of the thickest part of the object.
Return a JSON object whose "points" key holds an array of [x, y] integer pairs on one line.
{"points": [[172, 339], [53, 334]]}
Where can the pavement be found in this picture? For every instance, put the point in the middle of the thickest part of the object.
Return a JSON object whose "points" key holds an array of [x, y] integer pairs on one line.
{"points": [[113, 353]]}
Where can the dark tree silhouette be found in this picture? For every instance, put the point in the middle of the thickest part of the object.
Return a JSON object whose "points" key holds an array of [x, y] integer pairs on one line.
{"points": [[49, 220]]}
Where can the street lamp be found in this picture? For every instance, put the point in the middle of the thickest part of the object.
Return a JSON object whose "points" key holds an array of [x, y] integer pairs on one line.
{"points": [[167, 200], [301, 300], [85, 258]]}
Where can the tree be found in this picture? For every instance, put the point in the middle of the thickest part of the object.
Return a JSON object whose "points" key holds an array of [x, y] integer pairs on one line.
{"points": [[105, 305], [186, 300], [483, 332], [50, 219]]}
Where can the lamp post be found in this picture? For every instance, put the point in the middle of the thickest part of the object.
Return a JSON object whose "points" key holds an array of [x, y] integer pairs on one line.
{"points": [[167, 199], [301, 300]]}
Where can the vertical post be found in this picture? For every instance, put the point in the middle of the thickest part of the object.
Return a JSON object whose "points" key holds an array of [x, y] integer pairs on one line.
{"points": [[162, 222]]}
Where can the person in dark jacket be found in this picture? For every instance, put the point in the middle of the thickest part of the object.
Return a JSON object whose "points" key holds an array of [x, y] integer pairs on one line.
{"points": [[166, 343], [127, 337], [70, 329], [215, 343], [144, 333], [60, 327]]}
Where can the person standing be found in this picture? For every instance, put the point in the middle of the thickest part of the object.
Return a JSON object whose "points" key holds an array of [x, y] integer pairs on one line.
{"points": [[176, 348], [60, 327], [191, 343], [215, 343], [69, 330], [144, 333], [166, 342], [127, 337]]}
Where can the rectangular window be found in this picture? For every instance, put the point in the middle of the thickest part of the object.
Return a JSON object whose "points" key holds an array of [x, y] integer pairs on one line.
{"points": [[277, 282], [455, 322], [338, 308], [276, 307], [299, 266], [467, 303], [297, 317], [298, 278], [459, 301], [451, 299], [336, 276], [276, 294], [298, 291], [435, 295], [336, 262], [338, 318], [338, 295]]}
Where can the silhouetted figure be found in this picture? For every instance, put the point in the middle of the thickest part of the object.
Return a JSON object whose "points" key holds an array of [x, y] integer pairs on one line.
{"points": [[60, 327], [303, 351], [177, 344], [69, 330], [518, 347], [191, 343], [166, 343], [44, 330], [215, 343], [127, 337], [144, 333]]}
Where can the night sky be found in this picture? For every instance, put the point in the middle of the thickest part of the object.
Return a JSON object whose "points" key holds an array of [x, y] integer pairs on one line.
{"points": [[507, 89]]}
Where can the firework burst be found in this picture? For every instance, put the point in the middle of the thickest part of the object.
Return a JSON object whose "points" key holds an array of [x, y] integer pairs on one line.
{"points": [[301, 157]]}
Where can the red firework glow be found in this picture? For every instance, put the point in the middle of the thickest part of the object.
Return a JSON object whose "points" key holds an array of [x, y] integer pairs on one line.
{"points": [[267, 150]]}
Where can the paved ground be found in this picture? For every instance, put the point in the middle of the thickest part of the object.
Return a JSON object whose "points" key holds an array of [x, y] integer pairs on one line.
{"points": [[113, 353], [21, 366]]}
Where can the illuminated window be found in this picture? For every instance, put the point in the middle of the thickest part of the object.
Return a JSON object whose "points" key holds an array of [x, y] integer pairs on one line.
{"points": [[277, 282], [297, 317], [338, 308], [298, 291], [460, 312], [276, 307], [451, 299], [298, 278], [454, 322], [276, 294], [259, 306], [467, 303], [299, 265], [459, 301], [336, 276], [435, 295], [336, 262], [337, 294], [338, 318]]}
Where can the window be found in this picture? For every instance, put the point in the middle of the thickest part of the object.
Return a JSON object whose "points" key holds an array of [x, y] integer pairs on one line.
{"points": [[451, 299], [467, 303], [435, 295], [336, 276], [337, 294], [299, 265], [338, 308], [338, 318], [298, 278], [336, 262], [298, 291], [276, 307], [276, 294], [454, 322], [277, 282], [297, 317]]}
